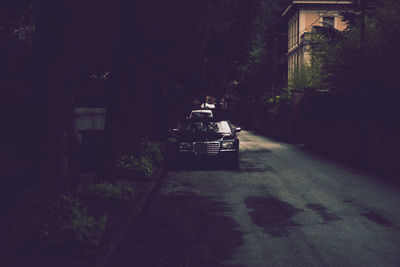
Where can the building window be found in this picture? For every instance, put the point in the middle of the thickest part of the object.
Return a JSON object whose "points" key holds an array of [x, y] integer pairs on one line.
{"points": [[328, 21]]}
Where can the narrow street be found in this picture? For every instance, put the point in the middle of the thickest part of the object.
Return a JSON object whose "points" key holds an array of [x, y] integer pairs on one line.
{"points": [[283, 207]]}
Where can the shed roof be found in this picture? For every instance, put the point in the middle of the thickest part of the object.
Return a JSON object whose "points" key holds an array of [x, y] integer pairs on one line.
{"points": [[316, 2]]}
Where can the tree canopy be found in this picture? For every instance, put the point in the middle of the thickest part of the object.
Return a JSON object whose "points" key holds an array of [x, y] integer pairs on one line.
{"points": [[361, 58]]}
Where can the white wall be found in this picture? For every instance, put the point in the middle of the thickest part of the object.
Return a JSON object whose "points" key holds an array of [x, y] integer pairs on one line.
{"points": [[88, 118]]}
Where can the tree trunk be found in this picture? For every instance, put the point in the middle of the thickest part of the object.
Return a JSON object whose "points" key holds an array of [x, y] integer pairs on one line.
{"points": [[54, 105], [127, 113]]}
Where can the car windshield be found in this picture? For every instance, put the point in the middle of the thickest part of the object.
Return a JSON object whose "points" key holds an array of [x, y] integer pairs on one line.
{"points": [[217, 127], [201, 114]]}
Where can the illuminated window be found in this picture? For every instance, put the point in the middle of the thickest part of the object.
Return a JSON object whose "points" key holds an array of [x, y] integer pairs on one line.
{"points": [[328, 21]]}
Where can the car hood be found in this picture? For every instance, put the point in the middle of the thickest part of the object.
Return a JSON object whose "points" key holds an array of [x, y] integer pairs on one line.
{"points": [[202, 137]]}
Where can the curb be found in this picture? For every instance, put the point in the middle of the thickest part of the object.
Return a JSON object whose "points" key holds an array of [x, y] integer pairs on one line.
{"points": [[105, 257]]}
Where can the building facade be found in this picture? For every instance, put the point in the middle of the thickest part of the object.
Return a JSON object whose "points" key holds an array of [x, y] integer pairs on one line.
{"points": [[302, 16]]}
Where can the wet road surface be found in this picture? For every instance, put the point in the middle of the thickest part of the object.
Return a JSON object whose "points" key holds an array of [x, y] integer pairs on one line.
{"points": [[283, 207]]}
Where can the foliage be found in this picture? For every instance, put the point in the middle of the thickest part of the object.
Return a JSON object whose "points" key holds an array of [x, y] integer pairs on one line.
{"points": [[357, 59], [151, 155], [210, 41], [129, 166], [105, 192], [154, 151], [279, 105], [335, 58], [59, 224], [307, 76], [265, 70], [278, 112]]}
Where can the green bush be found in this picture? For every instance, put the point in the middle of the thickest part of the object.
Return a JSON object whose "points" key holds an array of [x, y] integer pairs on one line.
{"points": [[142, 164], [153, 151], [278, 114], [105, 192], [58, 225], [129, 166]]}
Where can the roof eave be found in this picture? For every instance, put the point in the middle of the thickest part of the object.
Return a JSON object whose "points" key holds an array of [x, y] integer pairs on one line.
{"points": [[286, 10], [314, 2]]}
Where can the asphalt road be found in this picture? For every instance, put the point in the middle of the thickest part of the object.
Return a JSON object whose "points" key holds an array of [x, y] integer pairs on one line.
{"points": [[283, 207]]}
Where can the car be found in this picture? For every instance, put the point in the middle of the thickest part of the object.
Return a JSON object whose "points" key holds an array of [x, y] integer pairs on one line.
{"points": [[207, 105], [208, 138], [201, 113]]}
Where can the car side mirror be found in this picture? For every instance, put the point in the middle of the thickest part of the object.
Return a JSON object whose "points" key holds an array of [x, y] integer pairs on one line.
{"points": [[237, 129]]}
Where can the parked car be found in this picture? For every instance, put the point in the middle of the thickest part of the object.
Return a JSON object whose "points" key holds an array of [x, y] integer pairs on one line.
{"points": [[201, 113], [208, 138], [207, 105]]}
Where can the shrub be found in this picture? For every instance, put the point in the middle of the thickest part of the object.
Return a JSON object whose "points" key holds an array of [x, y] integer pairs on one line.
{"points": [[146, 165], [278, 114], [129, 166], [58, 225], [150, 156], [105, 192], [153, 151]]}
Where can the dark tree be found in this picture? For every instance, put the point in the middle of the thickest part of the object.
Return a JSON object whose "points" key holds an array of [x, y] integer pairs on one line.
{"points": [[53, 102], [166, 55]]}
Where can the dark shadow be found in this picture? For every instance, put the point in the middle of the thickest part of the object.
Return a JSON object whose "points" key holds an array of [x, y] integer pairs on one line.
{"points": [[273, 215], [368, 174], [379, 176], [323, 212], [249, 166], [180, 229], [258, 151], [13, 188], [376, 218], [192, 163], [216, 163]]}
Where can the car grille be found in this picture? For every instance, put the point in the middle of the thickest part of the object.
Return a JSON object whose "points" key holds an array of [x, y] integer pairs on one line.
{"points": [[206, 148]]}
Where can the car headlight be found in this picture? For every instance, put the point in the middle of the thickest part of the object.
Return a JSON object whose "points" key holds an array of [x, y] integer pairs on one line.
{"points": [[185, 146], [227, 144]]}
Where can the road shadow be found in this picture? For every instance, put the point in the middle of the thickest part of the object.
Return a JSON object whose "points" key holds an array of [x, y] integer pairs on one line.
{"points": [[194, 164], [246, 164], [180, 229], [273, 215], [376, 218], [322, 211], [255, 151]]}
